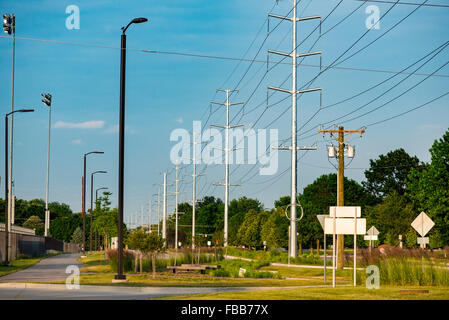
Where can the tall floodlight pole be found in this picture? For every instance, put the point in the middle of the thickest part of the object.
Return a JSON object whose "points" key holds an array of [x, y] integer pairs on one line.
{"points": [[227, 104], [294, 92], [121, 170], [47, 101], [7, 218], [9, 27], [91, 204], [83, 205]]}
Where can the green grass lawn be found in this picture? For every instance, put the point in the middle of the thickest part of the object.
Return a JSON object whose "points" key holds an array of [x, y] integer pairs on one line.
{"points": [[338, 293], [188, 280], [95, 262], [20, 264]]}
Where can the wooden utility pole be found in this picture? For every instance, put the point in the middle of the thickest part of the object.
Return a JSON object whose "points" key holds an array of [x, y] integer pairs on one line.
{"points": [[340, 181]]}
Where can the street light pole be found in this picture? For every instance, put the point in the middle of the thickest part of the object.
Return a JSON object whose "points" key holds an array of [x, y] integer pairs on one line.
{"points": [[84, 198], [9, 27], [120, 275], [7, 219], [47, 100], [91, 204]]}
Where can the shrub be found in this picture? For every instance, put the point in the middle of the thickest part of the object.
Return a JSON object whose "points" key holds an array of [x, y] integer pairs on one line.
{"points": [[128, 260]]}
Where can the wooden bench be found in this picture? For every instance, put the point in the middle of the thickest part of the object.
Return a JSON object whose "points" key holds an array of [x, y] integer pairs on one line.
{"points": [[193, 267]]}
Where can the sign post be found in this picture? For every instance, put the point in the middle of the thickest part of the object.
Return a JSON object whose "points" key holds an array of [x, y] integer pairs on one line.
{"points": [[344, 220], [321, 218], [422, 224], [371, 235]]}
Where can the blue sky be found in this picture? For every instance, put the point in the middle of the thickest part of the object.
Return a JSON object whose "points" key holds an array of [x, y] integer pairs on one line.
{"points": [[165, 92]]}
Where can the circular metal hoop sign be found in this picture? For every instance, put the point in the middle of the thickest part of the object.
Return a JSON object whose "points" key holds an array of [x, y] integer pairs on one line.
{"points": [[290, 219]]}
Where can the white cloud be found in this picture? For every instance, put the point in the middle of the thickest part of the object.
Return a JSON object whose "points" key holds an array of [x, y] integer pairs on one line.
{"points": [[77, 141], [95, 124]]}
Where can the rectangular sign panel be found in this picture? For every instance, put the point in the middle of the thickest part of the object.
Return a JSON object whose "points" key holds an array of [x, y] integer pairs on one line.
{"points": [[372, 238], [344, 226], [424, 240], [345, 212]]}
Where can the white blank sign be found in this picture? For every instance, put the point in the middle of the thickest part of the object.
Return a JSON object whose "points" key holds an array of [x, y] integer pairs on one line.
{"points": [[372, 238], [345, 212], [344, 226], [424, 240]]}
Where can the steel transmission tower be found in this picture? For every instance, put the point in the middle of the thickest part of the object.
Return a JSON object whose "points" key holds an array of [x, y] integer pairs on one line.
{"points": [[226, 150], [294, 92], [194, 175]]}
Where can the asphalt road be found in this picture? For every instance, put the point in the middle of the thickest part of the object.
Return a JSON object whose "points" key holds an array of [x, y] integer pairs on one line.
{"points": [[47, 270], [35, 291]]}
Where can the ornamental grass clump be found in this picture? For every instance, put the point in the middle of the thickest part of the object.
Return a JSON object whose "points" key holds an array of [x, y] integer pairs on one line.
{"points": [[407, 266], [128, 259]]}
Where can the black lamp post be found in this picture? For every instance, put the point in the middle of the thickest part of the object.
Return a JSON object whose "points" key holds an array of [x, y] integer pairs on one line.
{"points": [[91, 204], [84, 198], [6, 183], [120, 275]]}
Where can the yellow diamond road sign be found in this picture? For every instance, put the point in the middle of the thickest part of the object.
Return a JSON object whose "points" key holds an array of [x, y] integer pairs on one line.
{"points": [[422, 224]]}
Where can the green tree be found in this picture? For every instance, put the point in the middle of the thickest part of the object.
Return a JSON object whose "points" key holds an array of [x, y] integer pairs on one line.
{"points": [[389, 173], [411, 238], [275, 229], [34, 222], [282, 202], [62, 228], [237, 211], [249, 233], [429, 188], [77, 236], [138, 240], [391, 217], [155, 244]]}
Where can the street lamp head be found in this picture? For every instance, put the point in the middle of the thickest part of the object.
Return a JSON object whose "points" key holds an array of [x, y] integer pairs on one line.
{"points": [[135, 20], [139, 20], [25, 110]]}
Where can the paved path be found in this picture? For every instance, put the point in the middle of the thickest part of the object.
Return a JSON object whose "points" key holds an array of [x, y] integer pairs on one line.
{"points": [[19, 285], [37, 291], [47, 270]]}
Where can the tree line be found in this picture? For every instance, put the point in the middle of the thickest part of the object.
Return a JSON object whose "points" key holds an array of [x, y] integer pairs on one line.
{"points": [[397, 187]]}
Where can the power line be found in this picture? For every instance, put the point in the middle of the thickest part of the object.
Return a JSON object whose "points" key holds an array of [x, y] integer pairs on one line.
{"points": [[408, 111], [407, 3]]}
